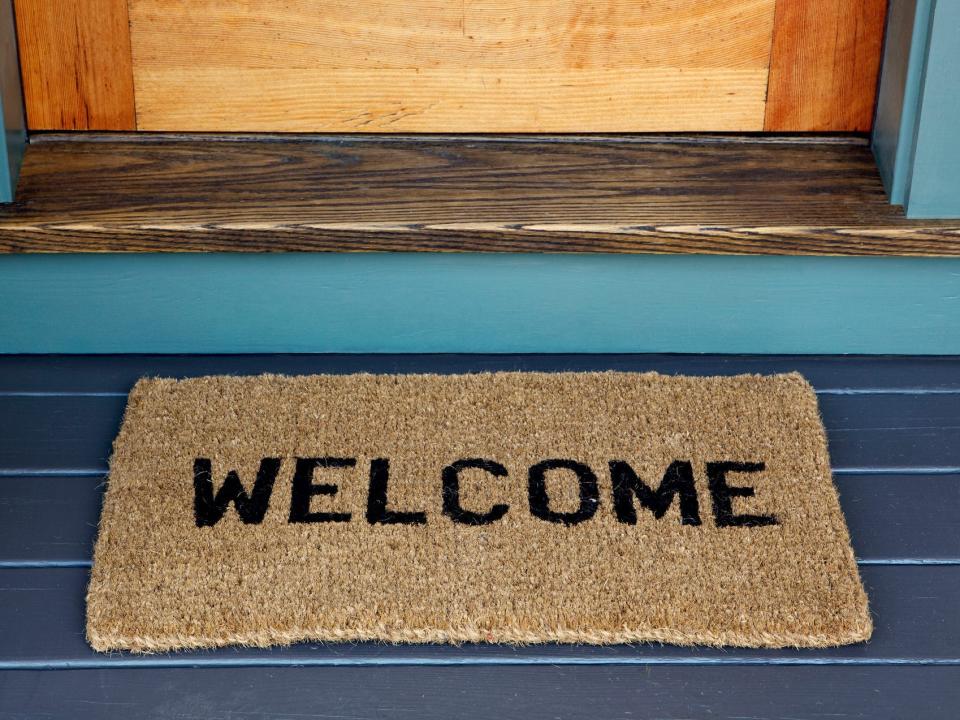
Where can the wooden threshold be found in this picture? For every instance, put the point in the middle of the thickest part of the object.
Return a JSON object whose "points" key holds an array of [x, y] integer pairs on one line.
{"points": [[666, 194]]}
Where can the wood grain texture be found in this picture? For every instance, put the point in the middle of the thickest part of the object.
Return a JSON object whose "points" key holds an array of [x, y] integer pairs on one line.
{"points": [[433, 66], [76, 63], [824, 65], [522, 195]]}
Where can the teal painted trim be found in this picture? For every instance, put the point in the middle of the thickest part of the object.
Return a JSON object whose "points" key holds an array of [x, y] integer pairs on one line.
{"points": [[916, 139], [933, 189], [898, 99], [426, 302], [12, 121]]}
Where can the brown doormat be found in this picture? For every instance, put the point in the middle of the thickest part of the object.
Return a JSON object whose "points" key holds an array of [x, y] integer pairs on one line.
{"points": [[507, 507]]}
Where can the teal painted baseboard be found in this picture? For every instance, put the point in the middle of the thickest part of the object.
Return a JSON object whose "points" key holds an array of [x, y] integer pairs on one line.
{"points": [[425, 302]]}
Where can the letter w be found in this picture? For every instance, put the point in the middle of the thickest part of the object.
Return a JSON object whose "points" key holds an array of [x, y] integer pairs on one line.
{"points": [[677, 480], [209, 509]]}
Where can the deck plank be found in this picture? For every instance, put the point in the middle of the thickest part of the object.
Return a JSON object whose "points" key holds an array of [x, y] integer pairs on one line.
{"points": [[49, 520], [888, 432], [471, 693], [914, 609], [697, 195], [65, 374]]}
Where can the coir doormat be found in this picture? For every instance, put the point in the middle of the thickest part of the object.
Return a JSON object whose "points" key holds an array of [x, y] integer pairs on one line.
{"points": [[508, 507]]}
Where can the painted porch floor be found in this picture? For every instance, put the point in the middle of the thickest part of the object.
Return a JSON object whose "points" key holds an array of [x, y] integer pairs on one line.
{"points": [[894, 432]]}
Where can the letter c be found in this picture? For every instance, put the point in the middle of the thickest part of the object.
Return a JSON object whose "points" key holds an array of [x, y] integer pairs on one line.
{"points": [[451, 492]]}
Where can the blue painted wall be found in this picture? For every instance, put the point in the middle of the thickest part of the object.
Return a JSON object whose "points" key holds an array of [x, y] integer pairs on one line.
{"points": [[12, 121], [477, 303]]}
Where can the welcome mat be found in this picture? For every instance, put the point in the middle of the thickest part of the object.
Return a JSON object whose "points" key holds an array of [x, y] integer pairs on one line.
{"points": [[506, 507]]}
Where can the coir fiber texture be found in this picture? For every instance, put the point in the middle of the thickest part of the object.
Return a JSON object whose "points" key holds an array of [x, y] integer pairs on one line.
{"points": [[507, 507]]}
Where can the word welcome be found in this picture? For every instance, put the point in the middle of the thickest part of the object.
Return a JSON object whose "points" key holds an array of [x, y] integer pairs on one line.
{"points": [[628, 490]]}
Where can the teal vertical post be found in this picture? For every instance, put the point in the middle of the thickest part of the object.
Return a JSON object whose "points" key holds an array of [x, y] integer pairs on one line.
{"points": [[899, 95], [12, 120], [916, 136], [933, 188]]}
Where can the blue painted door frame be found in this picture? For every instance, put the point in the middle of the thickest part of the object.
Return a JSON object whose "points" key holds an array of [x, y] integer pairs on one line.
{"points": [[917, 132], [12, 120]]}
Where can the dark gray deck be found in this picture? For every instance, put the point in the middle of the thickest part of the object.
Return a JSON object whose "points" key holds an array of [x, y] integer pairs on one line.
{"points": [[894, 431]]}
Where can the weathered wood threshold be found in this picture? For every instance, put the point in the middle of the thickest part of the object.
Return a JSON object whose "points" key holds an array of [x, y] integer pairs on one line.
{"points": [[626, 194]]}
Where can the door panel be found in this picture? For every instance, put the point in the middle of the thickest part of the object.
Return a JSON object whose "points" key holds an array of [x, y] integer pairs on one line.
{"points": [[442, 66], [76, 64]]}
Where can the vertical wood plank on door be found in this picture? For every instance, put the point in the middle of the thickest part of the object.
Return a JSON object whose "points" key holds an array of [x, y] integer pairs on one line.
{"points": [[440, 66], [76, 64], [824, 65]]}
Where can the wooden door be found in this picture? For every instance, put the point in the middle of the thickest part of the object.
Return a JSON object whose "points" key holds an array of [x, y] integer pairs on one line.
{"points": [[433, 66]]}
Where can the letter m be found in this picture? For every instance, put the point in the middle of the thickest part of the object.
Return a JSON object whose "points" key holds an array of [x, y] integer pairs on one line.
{"points": [[677, 480], [208, 508]]}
